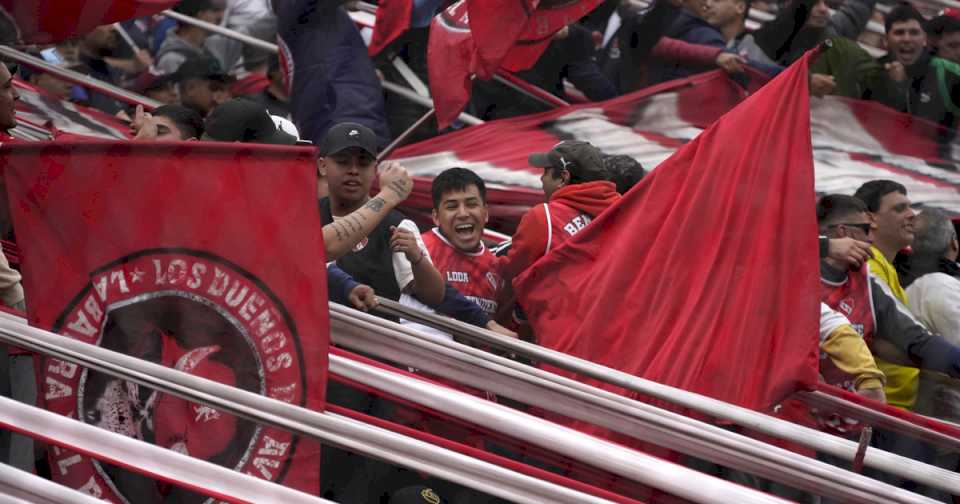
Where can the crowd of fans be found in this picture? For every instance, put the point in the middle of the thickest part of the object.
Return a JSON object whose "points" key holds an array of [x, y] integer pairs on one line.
{"points": [[890, 321]]}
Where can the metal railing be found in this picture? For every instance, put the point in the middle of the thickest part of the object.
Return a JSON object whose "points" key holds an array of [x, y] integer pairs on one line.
{"points": [[372, 441], [755, 421], [575, 400]]}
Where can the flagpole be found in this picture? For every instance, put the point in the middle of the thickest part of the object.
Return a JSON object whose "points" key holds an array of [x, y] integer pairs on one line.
{"points": [[406, 134], [73, 77], [521, 86], [220, 30]]}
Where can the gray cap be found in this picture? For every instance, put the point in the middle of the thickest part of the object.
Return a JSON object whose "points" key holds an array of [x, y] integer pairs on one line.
{"points": [[581, 159]]}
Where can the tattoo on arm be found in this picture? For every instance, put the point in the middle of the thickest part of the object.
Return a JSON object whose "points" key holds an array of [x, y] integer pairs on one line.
{"points": [[337, 226], [397, 187], [376, 204]]}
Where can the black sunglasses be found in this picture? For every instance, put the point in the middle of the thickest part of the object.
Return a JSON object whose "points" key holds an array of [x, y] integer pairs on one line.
{"points": [[862, 226]]}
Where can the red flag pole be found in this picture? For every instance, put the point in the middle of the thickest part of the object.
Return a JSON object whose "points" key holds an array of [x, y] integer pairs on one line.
{"points": [[517, 84]]}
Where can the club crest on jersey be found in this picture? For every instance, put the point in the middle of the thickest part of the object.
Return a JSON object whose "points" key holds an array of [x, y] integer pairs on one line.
{"points": [[494, 280], [846, 306], [194, 312], [361, 244]]}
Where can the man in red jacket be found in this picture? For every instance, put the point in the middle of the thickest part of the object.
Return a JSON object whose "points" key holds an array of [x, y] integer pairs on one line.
{"points": [[576, 188]]}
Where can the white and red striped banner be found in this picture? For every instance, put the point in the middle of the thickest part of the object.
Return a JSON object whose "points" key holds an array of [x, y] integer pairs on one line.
{"points": [[853, 141], [39, 109]]}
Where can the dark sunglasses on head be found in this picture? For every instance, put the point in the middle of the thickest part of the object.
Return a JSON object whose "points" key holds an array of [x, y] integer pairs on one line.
{"points": [[862, 226]]}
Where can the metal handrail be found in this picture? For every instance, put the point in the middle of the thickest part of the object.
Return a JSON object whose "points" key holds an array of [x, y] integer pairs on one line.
{"points": [[28, 487], [451, 360], [348, 434], [206, 477], [755, 421]]}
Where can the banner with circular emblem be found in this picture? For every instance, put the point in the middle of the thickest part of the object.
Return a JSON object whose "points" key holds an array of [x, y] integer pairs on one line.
{"points": [[202, 257]]}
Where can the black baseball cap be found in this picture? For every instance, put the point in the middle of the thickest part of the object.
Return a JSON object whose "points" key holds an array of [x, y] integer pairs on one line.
{"points": [[242, 120], [581, 159], [201, 67], [349, 134]]}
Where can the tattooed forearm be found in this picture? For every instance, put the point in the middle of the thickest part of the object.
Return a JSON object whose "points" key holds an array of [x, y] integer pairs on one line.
{"points": [[376, 204], [351, 222], [341, 233], [398, 187]]}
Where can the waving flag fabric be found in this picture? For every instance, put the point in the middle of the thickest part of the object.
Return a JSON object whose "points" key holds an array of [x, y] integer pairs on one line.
{"points": [[50, 21]]}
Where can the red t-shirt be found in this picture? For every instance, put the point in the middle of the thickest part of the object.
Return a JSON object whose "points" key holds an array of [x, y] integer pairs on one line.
{"points": [[474, 274]]}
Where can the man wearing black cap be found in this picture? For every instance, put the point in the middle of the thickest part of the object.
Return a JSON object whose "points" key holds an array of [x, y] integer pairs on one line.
{"points": [[576, 190], [202, 84], [392, 259]]}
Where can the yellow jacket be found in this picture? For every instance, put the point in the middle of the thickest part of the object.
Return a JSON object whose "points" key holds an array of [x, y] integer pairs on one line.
{"points": [[902, 381]]}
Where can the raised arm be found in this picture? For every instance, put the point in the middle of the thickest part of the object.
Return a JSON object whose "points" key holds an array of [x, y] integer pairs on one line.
{"points": [[341, 235]]}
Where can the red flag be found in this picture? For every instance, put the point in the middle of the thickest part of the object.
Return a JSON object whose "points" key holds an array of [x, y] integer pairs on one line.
{"points": [[705, 275], [495, 25], [393, 18], [182, 254], [451, 62], [49, 21], [476, 38], [549, 18]]}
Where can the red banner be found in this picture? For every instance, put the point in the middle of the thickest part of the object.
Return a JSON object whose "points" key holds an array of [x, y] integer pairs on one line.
{"points": [[451, 62], [50, 21], [393, 18], [549, 18], [705, 275], [182, 254]]}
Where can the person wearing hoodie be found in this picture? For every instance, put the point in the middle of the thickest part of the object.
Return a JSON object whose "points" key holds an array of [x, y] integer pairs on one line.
{"points": [[186, 41], [576, 189]]}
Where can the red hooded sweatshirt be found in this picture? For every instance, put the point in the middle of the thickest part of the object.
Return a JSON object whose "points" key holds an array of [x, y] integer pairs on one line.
{"points": [[547, 226]]}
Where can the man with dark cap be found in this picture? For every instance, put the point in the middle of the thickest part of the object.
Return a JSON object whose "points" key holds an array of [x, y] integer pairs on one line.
{"points": [[392, 258], [202, 84], [575, 185], [576, 188]]}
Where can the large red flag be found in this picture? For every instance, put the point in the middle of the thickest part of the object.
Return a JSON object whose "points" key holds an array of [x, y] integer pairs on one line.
{"points": [[705, 275], [203, 257], [393, 18], [550, 17], [451, 62], [49, 21], [475, 38]]}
